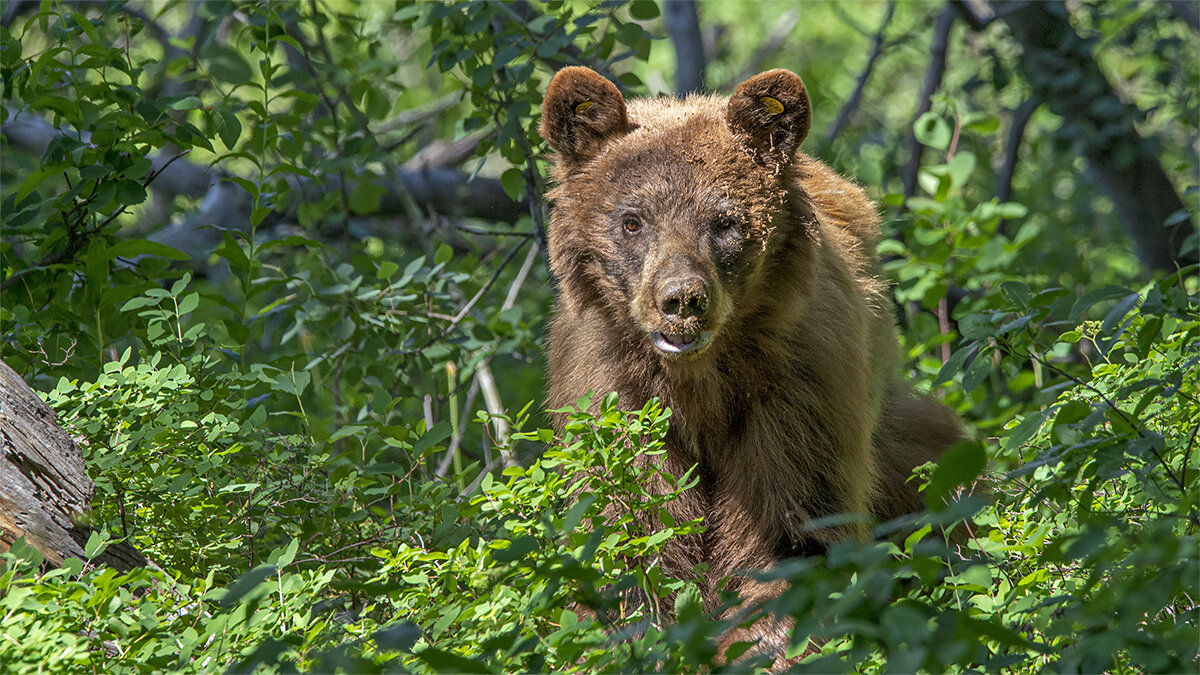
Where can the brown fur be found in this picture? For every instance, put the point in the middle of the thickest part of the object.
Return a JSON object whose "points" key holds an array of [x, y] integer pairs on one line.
{"points": [[700, 218]]}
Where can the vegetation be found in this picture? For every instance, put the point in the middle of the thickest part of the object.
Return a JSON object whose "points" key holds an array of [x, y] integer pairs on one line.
{"points": [[280, 267]]}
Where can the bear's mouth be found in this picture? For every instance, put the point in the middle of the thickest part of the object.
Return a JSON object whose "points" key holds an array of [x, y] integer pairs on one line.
{"points": [[675, 344]]}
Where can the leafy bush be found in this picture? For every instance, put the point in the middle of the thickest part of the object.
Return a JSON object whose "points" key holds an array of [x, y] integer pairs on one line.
{"points": [[283, 416]]}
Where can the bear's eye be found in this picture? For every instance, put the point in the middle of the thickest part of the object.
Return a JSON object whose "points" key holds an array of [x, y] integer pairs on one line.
{"points": [[631, 223], [724, 222]]}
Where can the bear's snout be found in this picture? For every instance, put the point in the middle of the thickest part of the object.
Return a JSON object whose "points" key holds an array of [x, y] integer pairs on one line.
{"points": [[683, 298]]}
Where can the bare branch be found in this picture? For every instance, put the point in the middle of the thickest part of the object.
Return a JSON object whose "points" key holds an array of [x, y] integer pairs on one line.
{"points": [[1012, 148], [852, 103], [933, 79], [770, 46], [683, 25], [456, 439], [977, 14], [515, 288], [485, 381]]}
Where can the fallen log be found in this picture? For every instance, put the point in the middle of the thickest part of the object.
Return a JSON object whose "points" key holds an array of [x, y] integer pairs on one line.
{"points": [[45, 492]]}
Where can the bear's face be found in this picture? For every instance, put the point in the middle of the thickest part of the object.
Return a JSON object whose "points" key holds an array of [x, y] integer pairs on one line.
{"points": [[664, 210]]}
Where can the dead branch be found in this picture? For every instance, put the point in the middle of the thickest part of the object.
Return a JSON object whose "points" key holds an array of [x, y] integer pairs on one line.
{"points": [[225, 204]]}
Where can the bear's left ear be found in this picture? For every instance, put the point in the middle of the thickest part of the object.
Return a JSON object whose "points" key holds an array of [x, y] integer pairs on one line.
{"points": [[771, 113], [582, 112]]}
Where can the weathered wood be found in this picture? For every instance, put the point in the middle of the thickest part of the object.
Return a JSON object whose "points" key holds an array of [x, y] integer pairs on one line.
{"points": [[45, 492]]}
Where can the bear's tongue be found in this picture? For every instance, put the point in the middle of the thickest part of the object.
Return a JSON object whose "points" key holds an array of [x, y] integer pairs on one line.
{"points": [[679, 343]]}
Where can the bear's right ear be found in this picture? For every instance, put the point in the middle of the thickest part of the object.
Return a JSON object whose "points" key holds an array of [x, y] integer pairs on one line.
{"points": [[581, 113]]}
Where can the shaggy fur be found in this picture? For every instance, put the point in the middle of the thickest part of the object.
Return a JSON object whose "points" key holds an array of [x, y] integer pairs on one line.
{"points": [[703, 260]]}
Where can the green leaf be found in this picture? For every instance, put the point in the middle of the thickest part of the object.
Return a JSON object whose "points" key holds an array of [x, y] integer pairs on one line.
{"points": [[1017, 323], [1026, 430], [439, 432], [981, 123], [232, 251], [976, 326], [688, 604], [954, 364], [443, 254], [513, 182], [284, 557], [517, 549], [643, 10], [977, 372], [1118, 312], [958, 466], [446, 662], [293, 382], [97, 264], [229, 127], [189, 303], [386, 269], [1016, 293], [238, 332], [36, 178], [931, 130], [398, 637], [97, 543], [960, 167], [366, 197], [248, 582], [225, 63], [186, 102], [130, 192], [1096, 295], [131, 248]]}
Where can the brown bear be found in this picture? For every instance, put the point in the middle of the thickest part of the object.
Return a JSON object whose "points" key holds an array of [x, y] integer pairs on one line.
{"points": [[704, 261]]}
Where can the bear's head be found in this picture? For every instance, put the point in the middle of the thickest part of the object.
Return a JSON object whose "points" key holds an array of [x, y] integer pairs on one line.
{"points": [[665, 210]]}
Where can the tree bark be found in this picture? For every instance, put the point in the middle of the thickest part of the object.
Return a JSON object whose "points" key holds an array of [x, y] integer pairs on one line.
{"points": [[683, 25], [1060, 67], [45, 492]]}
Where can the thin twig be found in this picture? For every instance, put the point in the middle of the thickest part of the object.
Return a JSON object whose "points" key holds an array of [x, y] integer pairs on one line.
{"points": [[466, 308], [495, 233], [1132, 422], [515, 288], [491, 397], [856, 97], [483, 373], [456, 439], [1187, 454]]}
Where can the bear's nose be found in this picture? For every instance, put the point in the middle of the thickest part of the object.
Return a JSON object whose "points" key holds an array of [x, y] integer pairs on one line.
{"points": [[684, 297]]}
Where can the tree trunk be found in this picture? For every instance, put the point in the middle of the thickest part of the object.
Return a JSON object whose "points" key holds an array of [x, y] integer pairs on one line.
{"points": [[1059, 65], [683, 24]]}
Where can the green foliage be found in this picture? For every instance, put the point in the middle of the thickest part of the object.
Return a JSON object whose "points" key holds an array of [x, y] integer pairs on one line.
{"points": [[285, 418]]}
